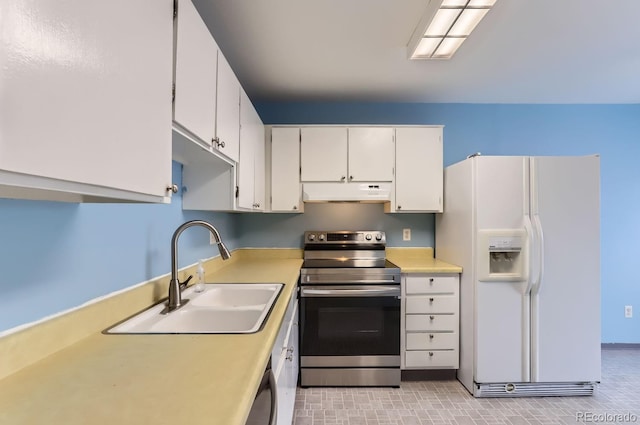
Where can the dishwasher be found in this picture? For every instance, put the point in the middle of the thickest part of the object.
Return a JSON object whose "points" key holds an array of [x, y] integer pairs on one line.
{"points": [[265, 406]]}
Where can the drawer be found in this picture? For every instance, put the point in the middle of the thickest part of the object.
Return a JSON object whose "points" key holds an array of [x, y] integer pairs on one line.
{"points": [[431, 341], [443, 359], [431, 322], [432, 304], [431, 284]]}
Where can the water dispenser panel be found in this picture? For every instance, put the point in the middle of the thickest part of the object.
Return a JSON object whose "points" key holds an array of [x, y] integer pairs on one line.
{"points": [[502, 255]]}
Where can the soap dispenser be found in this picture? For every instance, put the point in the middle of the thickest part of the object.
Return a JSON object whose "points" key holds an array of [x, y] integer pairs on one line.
{"points": [[199, 286]]}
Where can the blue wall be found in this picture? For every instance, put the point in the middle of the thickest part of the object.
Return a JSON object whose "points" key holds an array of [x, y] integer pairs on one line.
{"points": [[613, 131], [54, 256]]}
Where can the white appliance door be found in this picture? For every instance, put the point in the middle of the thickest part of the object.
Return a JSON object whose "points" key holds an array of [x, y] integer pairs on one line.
{"points": [[501, 307], [565, 304]]}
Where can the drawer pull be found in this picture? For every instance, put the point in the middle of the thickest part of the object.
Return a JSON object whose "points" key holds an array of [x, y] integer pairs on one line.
{"points": [[431, 280], [431, 300], [430, 336], [431, 317], [430, 353]]}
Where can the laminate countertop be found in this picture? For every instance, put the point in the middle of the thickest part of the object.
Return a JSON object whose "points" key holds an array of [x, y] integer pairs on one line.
{"points": [[155, 379], [419, 260]]}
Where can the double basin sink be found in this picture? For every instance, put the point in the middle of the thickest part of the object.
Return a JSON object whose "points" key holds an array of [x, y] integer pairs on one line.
{"points": [[234, 308]]}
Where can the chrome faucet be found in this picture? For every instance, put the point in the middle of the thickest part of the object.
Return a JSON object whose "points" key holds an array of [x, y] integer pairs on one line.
{"points": [[175, 286]]}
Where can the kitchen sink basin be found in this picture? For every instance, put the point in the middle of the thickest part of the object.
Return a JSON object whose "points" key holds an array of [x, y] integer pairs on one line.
{"points": [[220, 309], [231, 295]]}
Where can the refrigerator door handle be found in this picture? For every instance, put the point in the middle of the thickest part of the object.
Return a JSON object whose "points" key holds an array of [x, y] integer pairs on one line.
{"points": [[528, 226], [540, 272]]}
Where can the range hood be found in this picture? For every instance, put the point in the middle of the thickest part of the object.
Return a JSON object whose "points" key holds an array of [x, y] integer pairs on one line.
{"points": [[346, 192]]}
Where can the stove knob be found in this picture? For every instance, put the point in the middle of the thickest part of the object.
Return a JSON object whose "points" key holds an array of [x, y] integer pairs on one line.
{"points": [[312, 237], [321, 236], [368, 237], [379, 237]]}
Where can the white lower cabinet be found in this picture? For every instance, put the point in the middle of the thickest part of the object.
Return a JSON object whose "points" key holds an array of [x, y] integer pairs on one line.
{"points": [[284, 362], [430, 315]]}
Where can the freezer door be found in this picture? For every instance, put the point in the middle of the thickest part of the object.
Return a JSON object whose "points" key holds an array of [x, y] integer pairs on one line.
{"points": [[502, 328], [565, 305]]}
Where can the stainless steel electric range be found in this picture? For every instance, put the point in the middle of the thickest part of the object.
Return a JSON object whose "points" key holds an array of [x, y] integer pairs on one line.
{"points": [[349, 311]]}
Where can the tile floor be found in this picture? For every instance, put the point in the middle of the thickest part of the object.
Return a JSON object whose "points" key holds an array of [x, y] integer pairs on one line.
{"points": [[448, 402]]}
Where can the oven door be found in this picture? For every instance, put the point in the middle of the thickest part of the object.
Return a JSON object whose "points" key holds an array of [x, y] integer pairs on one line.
{"points": [[351, 325]]}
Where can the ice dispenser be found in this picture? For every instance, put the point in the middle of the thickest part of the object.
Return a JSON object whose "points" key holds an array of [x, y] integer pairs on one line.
{"points": [[502, 255]]}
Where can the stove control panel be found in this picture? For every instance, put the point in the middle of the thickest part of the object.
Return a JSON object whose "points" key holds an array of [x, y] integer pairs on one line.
{"points": [[344, 237]]}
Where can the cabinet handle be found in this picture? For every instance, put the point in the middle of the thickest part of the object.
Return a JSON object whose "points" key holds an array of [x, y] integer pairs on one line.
{"points": [[216, 141], [430, 353], [172, 188], [431, 317], [295, 207], [431, 280], [430, 300], [350, 177], [343, 178], [399, 207], [430, 336]]}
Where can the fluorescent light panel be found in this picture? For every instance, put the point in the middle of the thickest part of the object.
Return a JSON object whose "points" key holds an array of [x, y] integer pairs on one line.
{"points": [[451, 24]]}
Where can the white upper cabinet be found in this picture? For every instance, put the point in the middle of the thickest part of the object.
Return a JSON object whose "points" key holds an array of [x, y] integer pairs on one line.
{"points": [[340, 154], [323, 154], [85, 108], [371, 154], [418, 179], [207, 122], [227, 138], [207, 92], [195, 75], [286, 191], [251, 167]]}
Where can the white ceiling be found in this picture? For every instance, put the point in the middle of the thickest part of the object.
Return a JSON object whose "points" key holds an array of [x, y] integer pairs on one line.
{"points": [[524, 51]]}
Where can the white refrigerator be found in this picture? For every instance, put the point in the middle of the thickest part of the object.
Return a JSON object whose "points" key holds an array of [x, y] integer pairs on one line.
{"points": [[526, 231]]}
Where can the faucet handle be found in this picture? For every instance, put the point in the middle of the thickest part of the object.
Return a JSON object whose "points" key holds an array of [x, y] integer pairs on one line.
{"points": [[185, 283]]}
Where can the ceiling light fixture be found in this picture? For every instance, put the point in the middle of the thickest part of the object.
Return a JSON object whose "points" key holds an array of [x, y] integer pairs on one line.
{"points": [[445, 25]]}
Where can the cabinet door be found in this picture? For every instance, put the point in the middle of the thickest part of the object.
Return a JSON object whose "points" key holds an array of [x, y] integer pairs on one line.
{"points": [[246, 160], [251, 160], [287, 408], [418, 169], [323, 154], [259, 177], [195, 79], [228, 110], [371, 154], [285, 169], [85, 100]]}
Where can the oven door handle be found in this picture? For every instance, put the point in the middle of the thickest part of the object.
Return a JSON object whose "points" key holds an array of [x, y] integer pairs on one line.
{"points": [[344, 280], [374, 291]]}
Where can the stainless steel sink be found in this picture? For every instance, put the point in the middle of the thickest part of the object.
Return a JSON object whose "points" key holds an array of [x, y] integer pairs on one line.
{"points": [[221, 308]]}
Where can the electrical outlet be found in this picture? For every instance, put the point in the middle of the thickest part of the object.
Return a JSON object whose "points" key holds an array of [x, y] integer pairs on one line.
{"points": [[406, 234], [628, 311]]}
